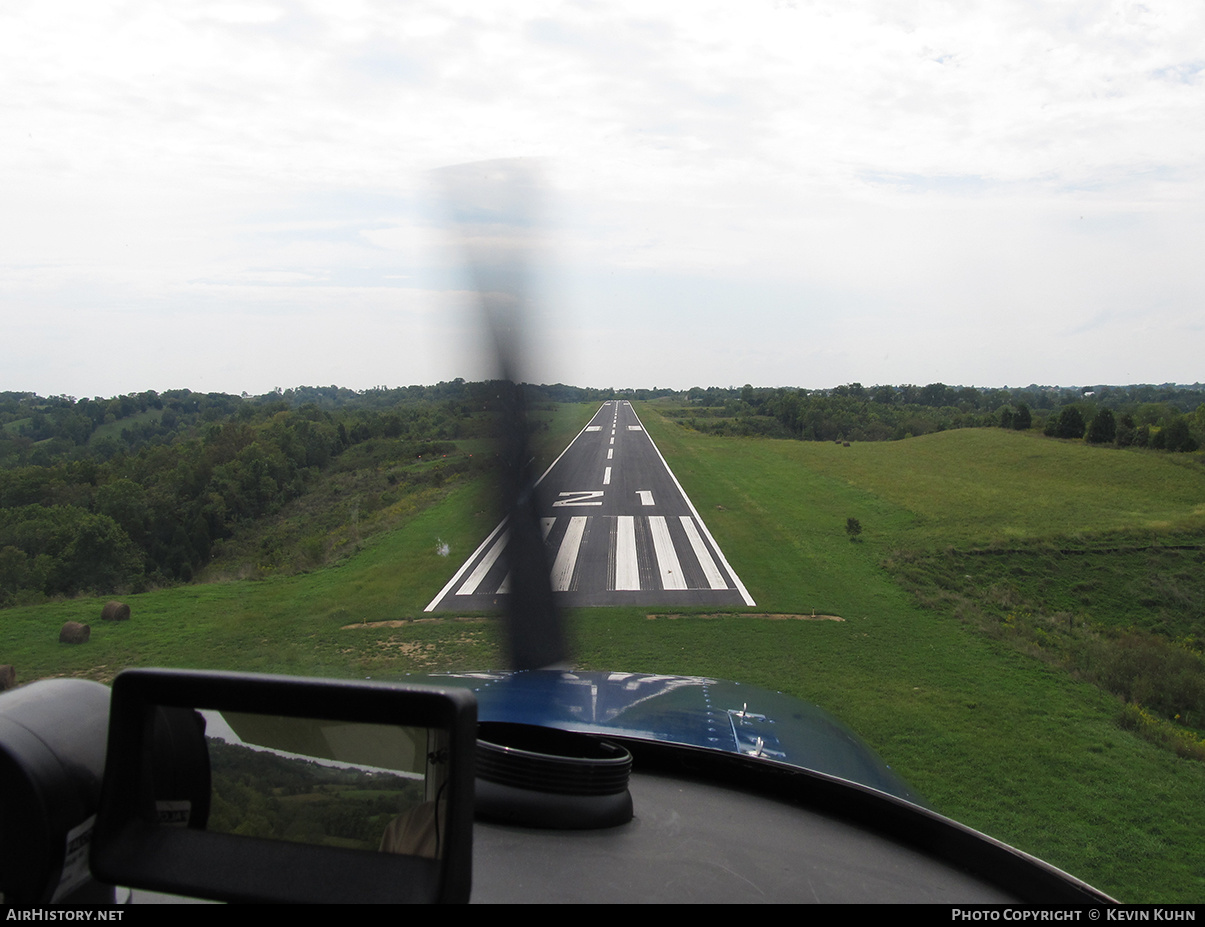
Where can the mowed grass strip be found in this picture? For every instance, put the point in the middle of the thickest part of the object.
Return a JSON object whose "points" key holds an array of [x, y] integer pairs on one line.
{"points": [[971, 485]]}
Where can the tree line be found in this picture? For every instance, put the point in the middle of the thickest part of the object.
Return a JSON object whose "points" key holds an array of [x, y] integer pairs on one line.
{"points": [[130, 492], [1166, 417]]}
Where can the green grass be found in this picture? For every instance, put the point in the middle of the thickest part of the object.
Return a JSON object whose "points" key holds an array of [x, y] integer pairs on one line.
{"points": [[992, 737], [114, 429], [291, 624], [971, 485]]}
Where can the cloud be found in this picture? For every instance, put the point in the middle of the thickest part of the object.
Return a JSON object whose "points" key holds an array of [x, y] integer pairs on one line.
{"points": [[740, 180]]}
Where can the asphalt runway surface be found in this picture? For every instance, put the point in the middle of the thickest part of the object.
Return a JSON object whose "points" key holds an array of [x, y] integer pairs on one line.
{"points": [[619, 530]]}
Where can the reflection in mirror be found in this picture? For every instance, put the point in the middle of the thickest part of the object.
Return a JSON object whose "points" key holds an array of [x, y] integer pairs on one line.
{"points": [[328, 783], [248, 788]]}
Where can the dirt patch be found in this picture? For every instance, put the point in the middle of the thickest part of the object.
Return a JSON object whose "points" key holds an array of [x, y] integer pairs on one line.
{"points": [[402, 622], [408, 648], [763, 616]]}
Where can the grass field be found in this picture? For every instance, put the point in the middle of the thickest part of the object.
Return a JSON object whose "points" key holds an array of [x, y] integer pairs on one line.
{"points": [[1001, 741], [992, 737]]}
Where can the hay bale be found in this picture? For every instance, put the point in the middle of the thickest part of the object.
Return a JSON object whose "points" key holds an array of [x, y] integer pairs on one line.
{"points": [[115, 611], [75, 633], [8, 677]]}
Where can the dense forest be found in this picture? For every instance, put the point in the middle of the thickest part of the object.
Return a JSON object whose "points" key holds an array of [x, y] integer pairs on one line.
{"points": [[258, 793], [149, 489]]}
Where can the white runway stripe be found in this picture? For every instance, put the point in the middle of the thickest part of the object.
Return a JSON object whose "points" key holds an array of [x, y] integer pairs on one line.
{"points": [[607, 477], [470, 585], [714, 577], [667, 560], [566, 557], [627, 570], [736, 580]]}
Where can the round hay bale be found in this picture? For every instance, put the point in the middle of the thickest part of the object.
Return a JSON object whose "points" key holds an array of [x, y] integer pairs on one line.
{"points": [[8, 677], [115, 611], [75, 633]]}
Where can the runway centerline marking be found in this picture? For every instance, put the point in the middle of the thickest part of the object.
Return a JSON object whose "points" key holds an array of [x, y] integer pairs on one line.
{"points": [[590, 553]]}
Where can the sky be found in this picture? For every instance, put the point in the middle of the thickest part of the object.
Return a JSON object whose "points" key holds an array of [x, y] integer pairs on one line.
{"points": [[242, 196]]}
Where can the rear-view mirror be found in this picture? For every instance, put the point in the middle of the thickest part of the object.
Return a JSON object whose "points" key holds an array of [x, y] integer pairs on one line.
{"points": [[255, 788]]}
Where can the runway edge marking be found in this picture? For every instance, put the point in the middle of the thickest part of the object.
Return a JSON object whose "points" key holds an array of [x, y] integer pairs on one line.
{"points": [[452, 582], [740, 586]]}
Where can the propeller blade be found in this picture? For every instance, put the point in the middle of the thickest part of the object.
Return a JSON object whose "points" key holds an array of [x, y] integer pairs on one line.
{"points": [[494, 209]]}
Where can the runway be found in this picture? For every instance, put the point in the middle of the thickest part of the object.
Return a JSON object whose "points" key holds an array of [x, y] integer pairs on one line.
{"points": [[619, 530]]}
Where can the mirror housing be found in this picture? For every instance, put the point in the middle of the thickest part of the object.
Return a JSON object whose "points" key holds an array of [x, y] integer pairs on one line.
{"points": [[150, 832], [52, 757]]}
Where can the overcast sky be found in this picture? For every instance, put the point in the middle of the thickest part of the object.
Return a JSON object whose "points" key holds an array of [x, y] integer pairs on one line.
{"points": [[240, 196]]}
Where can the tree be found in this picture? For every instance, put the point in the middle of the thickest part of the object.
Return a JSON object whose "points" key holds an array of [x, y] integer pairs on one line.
{"points": [[1103, 428], [1022, 419], [1070, 424], [1176, 436], [853, 528]]}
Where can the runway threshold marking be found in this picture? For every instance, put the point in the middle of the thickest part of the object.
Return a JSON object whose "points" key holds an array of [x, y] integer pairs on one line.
{"points": [[627, 570], [475, 578], [667, 559], [714, 578], [737, 584], [566, 557], [578, 538]]}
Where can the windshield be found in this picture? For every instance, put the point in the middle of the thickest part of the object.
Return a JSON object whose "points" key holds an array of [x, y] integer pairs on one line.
{"points": [[885, 319]]}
